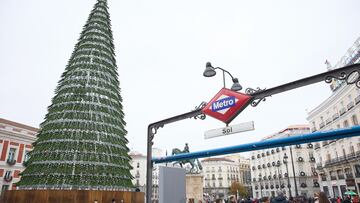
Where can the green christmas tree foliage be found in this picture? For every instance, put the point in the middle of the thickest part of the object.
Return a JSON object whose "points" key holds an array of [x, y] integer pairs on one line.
{"points": [[81, 143]]}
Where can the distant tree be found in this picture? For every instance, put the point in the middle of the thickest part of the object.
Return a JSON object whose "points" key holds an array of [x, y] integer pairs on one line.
{"points": [[238, 187]]}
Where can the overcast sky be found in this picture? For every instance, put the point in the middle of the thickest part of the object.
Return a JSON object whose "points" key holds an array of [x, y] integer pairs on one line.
{"points": [[161, 49]]}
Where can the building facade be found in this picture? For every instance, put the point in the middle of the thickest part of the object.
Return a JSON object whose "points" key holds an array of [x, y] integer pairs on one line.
{"points": [[338, 161], [278, 168], [138, 163], [15, 143], [220, 172], [138, 171]]}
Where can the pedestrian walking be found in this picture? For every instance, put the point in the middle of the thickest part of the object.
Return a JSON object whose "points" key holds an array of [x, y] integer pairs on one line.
{"points": [[280, 198]]}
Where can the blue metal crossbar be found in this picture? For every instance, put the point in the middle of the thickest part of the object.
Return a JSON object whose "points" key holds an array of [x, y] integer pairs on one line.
{"points": [[265, 144]]}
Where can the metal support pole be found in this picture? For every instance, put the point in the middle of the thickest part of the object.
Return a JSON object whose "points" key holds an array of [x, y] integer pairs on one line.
{"points": [[260, 186], [149, 165], [224, 78], [293, 168], [288, 177]]}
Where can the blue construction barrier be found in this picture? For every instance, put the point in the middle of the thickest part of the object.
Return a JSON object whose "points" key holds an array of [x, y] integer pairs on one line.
{"points": [[265, 144]]}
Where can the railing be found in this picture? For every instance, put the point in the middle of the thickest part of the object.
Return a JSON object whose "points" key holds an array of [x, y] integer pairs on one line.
{"points": [[342, 111], [11, 161], [335, 116], [319, 166], [8, 178], [332, 177], [329, 120], [357, 99], [350, 105], [322, 124], [341, 176], [342, 159], [349, 175]]}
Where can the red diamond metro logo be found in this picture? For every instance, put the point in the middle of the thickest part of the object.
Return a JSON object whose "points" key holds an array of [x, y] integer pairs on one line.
{"points": [[226, 105]]}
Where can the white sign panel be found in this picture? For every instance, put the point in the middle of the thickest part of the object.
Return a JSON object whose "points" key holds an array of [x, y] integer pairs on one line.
{"points": [[232, 129]]}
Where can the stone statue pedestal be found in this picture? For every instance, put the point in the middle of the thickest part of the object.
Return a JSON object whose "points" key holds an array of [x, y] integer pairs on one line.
{"points": [[194, 187]]}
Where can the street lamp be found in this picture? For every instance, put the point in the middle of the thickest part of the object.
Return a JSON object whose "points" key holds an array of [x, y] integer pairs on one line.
{"points": [[260, 178], [293, 168], [210, 72], [287, 171], [278, 166]]}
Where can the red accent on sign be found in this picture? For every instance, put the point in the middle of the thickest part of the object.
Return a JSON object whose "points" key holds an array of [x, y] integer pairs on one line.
{"points": [[227, 114]]}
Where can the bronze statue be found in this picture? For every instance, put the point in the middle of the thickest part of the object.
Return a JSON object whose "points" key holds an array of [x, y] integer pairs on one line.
{"points": [[195, 163]]}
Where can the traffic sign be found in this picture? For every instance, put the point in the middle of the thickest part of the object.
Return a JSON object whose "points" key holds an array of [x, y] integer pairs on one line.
{"points": [[242, 127], [226, 105]]}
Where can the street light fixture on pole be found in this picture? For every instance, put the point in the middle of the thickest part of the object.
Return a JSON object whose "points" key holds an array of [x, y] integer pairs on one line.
{"points": [[260, 178], [210, 72], [293, 168], [287, 171]]}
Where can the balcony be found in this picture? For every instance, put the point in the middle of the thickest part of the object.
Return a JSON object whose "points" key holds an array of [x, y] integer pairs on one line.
{"points": [[11, 161], [321, 125], [350, 105], [349, 175], [328, 121], [220, 178], [357, 99], [342, 111], [341, 176], [335, 116], [8, 178], [333, 178], [319, 166]]}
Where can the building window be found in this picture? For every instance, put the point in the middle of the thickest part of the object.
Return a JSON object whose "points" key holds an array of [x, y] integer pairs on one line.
{"points": [[220, 184], [7, 175], [11, 155], [354, 120], [213, 184], [27, 156], [346, 124], [137, 165], [4, 188]]}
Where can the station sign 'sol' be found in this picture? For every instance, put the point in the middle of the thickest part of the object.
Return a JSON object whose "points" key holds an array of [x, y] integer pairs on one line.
{"points": [[226, 105]]}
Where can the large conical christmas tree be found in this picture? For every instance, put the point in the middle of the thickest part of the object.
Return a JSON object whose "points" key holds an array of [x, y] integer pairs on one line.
{"points": [[81, 143]]}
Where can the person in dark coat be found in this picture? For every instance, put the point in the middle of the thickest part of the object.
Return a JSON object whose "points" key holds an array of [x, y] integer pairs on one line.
{"points": [[280, 198]]}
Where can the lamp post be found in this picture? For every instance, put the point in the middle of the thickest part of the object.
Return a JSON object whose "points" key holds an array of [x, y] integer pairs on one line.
{"points": [[210, 72], [278, 166], [293, 168], [260, 178], [287, 171]]}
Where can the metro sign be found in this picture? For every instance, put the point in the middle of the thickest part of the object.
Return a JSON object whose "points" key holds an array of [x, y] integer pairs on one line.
{"points": [[226, 105]]}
